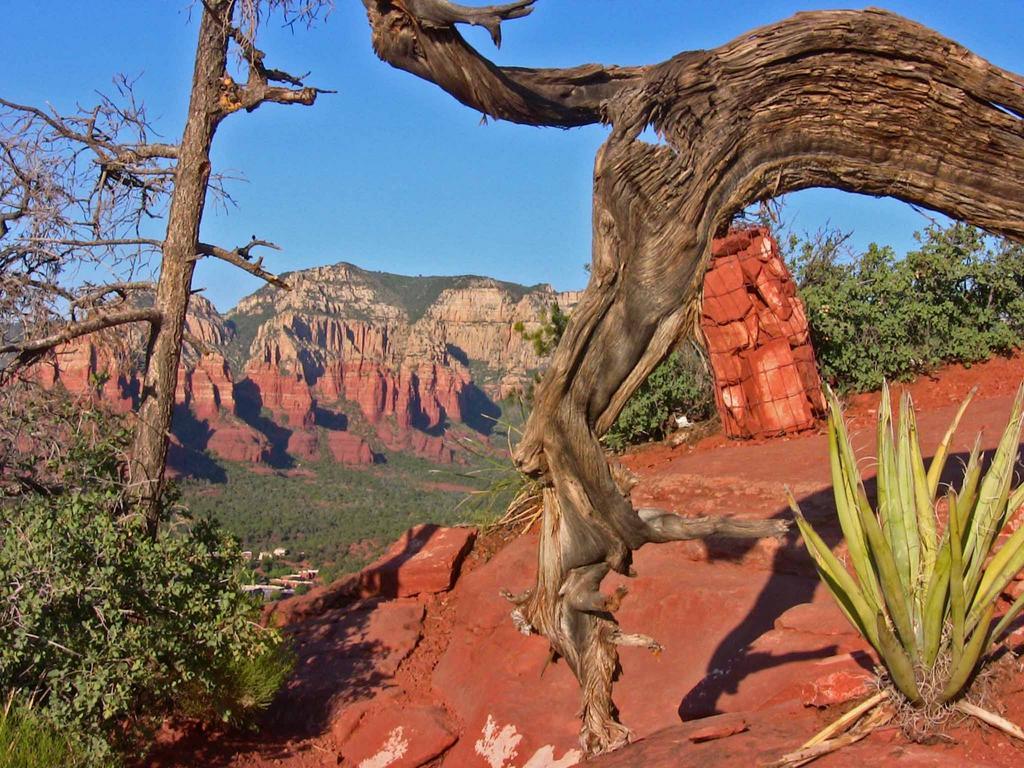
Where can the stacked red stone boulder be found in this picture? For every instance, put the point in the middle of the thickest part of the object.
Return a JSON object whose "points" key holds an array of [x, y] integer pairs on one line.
{"points": [[766, 376]]}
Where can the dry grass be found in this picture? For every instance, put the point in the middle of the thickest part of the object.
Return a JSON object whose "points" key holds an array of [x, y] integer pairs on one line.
{"points": [[927, 722]]}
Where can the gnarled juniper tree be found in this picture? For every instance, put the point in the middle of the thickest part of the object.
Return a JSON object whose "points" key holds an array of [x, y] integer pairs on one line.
{"points": [[864, 101]]}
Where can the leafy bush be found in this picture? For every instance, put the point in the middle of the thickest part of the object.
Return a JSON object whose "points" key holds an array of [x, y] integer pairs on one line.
{"points": [[925, 603], [107, 628], [680, 385], [958, 298]]}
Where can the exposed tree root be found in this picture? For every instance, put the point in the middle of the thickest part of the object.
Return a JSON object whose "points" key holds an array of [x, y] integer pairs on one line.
{"points": [[568, 608]]}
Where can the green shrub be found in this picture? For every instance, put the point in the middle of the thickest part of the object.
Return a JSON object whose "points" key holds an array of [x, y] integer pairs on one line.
{"points": [[109, 629], [680, 385], [243, 688], [958, 298], [547, 335], [27, 740]]}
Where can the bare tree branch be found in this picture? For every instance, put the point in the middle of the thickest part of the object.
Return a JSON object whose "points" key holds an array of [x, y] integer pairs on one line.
{"points": [[240, 258], [97, 140], [431, 48], [445, 14], [100, 242], [28, 352], [258, 89], [123, 290], [256, 93]]}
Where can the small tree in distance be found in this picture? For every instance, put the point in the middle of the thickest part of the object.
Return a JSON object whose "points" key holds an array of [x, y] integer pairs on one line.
{"points": [[549, 332]]}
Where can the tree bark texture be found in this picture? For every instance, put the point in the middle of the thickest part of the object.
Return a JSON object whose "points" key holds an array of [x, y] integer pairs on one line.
{"points": [[863, 101], [192, 176]]}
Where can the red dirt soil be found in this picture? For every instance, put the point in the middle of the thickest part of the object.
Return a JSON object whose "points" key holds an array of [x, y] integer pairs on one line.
{"points": [[753, 644]]}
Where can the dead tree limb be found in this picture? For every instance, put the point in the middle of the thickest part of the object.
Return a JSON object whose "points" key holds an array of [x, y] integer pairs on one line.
{"points": [[864, 101], [28, 352], [214, 96], [241, 258], [432, 49]]}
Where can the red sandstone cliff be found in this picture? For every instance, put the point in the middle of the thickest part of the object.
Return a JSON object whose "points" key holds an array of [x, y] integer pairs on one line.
{"points": [[391, 352], [345, 366], [90, 366]]}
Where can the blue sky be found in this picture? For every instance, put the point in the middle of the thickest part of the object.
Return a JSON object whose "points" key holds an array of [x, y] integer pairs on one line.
{"points": [[391, 173]]}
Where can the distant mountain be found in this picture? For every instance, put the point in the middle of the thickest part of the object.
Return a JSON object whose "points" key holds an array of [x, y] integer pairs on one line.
{"points": [[349, 364]]}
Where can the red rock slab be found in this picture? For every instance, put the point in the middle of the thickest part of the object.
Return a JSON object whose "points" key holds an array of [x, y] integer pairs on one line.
{"points": [[819, 618], [723, 277], [769, 288], [719, 728], [303, 445], [839, 687], [210, 386], [776, 391], [729, 368], [771, 326], [496, 682], [430, 447], [750, 262], [344, 657], [768, 736], [704, 613], [774, 669], [779, 730], [237, 442], [728, 337], [425, 560], [395, 737], [707, 615], [734, 242], [725, 295]]}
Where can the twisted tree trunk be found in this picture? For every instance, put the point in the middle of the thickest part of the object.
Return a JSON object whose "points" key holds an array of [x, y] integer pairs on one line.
{"points": [[864, 101]]}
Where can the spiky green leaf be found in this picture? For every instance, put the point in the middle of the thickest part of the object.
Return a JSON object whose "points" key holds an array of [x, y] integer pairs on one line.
{"points": [[897, 661], [972, 652], [938, 463]]}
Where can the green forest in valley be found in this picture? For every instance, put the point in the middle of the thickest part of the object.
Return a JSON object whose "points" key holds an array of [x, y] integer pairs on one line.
{"points": [[341, 517]]}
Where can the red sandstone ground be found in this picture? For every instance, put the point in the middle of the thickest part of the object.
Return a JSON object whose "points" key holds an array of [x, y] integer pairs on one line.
{"points": [[394, 671]]}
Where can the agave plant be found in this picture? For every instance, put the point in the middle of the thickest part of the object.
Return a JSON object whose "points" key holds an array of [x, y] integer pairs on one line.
{"points": [[925, 601]]}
